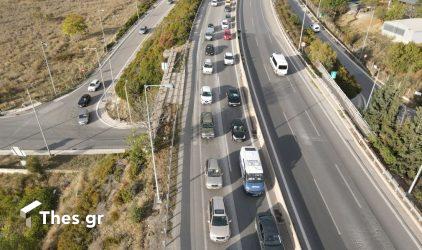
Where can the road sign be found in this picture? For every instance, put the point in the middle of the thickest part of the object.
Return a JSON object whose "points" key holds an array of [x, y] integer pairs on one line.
{"points": [[17, 151], [333, 74]]}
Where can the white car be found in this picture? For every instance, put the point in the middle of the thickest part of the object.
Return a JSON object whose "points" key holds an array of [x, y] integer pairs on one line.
{"points": [[225, 24], [207, 67], [219, 223], [214, 3], [206, 95], [94, 85], [315, 27], [228, 58]]}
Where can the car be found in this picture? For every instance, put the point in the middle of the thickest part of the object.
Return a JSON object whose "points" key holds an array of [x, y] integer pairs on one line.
{"points": [[84, 100], [170, 1], [213, 174], [315, 27], [83, 117], [209, 50], [94, 85], [227, 9], [228, 16], [227, 35], [209, 33], [143, 30], [207, 67], [218, 222], [228, 58], [233, 97], [238, 130], [228, 3], [206, 95], [225, 24], [214, 3], [266, 229], [211, 26], [207, 125]]}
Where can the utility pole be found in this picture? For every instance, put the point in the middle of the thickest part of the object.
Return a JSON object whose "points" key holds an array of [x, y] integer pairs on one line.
{"points": [[38, 121], [415, 180], [373, 86], [367, 32], [112, 83], [301, 31], [48, 67], [102, 30], [319, 5], [100, 67], [137, 9], [128, 104]]}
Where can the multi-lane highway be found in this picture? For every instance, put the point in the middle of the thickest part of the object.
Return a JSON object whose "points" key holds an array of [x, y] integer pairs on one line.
{"points": [[336, 201], [241, 208], [59, 118]]}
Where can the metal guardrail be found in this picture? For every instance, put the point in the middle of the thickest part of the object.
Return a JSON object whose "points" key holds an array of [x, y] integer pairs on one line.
{"points": [[345, 102]]}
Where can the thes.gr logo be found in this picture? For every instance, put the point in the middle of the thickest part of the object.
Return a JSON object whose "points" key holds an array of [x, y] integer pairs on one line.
{"points": [[26, 211]]}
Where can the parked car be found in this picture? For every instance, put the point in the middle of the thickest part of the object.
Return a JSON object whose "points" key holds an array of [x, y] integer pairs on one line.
{"points": [[228, 16], [238, 130], [209, 33], [84, 100], [225, 24], [228, 58], [209, 50], [207, 125], [83, 117], [315, 27], [227, 9], [227, 35], [214, 3], [233, 97], [219, 224], [94, 85], [267, 232], [207, 68], [143, 30], [213, 175], [206, 95]]}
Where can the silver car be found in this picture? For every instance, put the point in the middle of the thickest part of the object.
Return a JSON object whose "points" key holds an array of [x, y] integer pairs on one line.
{"points": [[218, 221], [83, 117], [213, 175]]}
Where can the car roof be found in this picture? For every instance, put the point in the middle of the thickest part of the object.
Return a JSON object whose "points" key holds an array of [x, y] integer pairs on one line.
{"points": [[213, 163], [207, 61], [226, 31], [85, 96], [83, 111], [268, 223], [209, 45], [95, 81], [206, 115], [218, 203], [229, 54], [206, 89], [237, 122]]}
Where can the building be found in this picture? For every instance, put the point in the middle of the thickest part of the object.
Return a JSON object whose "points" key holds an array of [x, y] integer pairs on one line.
{"points": [[404, 30]]}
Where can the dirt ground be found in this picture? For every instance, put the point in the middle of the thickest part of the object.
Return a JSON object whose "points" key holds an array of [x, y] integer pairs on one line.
{"points": [[25, 23]]}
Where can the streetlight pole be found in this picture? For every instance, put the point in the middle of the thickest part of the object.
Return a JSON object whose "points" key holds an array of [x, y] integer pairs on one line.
{"points": [[38, 121], [150, 136], [112, 82], [319, 5], [128, 104], [415, 180], [367, 32], [102, 30], [373, 86], [100, 67], [301, 31], [137, 9], [48, 67]]}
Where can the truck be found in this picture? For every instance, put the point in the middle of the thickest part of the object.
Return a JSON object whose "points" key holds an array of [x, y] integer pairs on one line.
{"points": [[252, 171]]}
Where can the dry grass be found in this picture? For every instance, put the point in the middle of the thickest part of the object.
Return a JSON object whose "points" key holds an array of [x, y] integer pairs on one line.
{"points": [[25, 23]]}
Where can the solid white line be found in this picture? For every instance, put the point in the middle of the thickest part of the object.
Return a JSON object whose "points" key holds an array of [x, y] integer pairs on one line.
{"points": [[329, 211], [288, 124], [348, 186], [313, 124]]}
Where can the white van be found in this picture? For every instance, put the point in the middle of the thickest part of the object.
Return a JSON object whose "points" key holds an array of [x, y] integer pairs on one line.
{"points": [[279, 64]]}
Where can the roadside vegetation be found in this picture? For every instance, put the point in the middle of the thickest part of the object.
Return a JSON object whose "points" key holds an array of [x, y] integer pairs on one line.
{"points": [[66, 29]]}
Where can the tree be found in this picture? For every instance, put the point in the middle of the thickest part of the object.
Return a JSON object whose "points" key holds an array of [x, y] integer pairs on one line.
{"points": [[74, 24], [322, 52], [334, 8], [397, 11], [33, 165], [403, 58]]}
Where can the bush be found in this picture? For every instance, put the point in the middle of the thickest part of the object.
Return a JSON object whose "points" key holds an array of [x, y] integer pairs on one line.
{"points": [[320, 51], [75, 237], [140, 213], [397, 11], [402, 58], [33, 165], [347, 83], [74, 24]]}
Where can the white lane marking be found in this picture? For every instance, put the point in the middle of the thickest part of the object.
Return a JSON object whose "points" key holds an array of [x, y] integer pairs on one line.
{"points": [[328, 208], [312, 122], [348, 186], [288, 123], [266, 72], [382, 195]]}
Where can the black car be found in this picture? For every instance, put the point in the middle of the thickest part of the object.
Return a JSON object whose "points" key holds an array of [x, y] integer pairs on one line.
{"points": [[238, 130], [209, 50], [84, 100], [143, 30], [233, 97], [227, 9], [267, 231]]}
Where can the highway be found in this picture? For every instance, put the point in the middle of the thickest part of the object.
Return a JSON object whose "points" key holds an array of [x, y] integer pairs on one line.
{"points": [[241, 208], [59, 118], [336, 201]]}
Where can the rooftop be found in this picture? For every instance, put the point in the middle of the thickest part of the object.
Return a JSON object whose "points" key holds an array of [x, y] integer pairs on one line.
{"points": [[412, 24]]}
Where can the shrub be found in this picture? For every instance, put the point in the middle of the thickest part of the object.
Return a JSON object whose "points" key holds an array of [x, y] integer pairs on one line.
{"points": [[403, 58], [74, 24], [33, 165], [397, 11], [347, 83], [76, 237], [320, 51]]}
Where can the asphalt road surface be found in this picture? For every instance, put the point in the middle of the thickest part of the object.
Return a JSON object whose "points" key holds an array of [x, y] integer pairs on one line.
{"points": [[59, 118], [338, 205], [241, 208]]}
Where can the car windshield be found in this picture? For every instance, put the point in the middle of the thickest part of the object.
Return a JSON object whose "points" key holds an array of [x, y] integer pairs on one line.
{"points": [[238, 128], [207, 65], [254, 177], [219, 221], [272, 240], [229, 57], [81, 116], [93, 83], [206, 93], [214, 172]]}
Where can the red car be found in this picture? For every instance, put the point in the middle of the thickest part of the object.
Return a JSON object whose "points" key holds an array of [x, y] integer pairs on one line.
{"points": [[227, 35]]}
